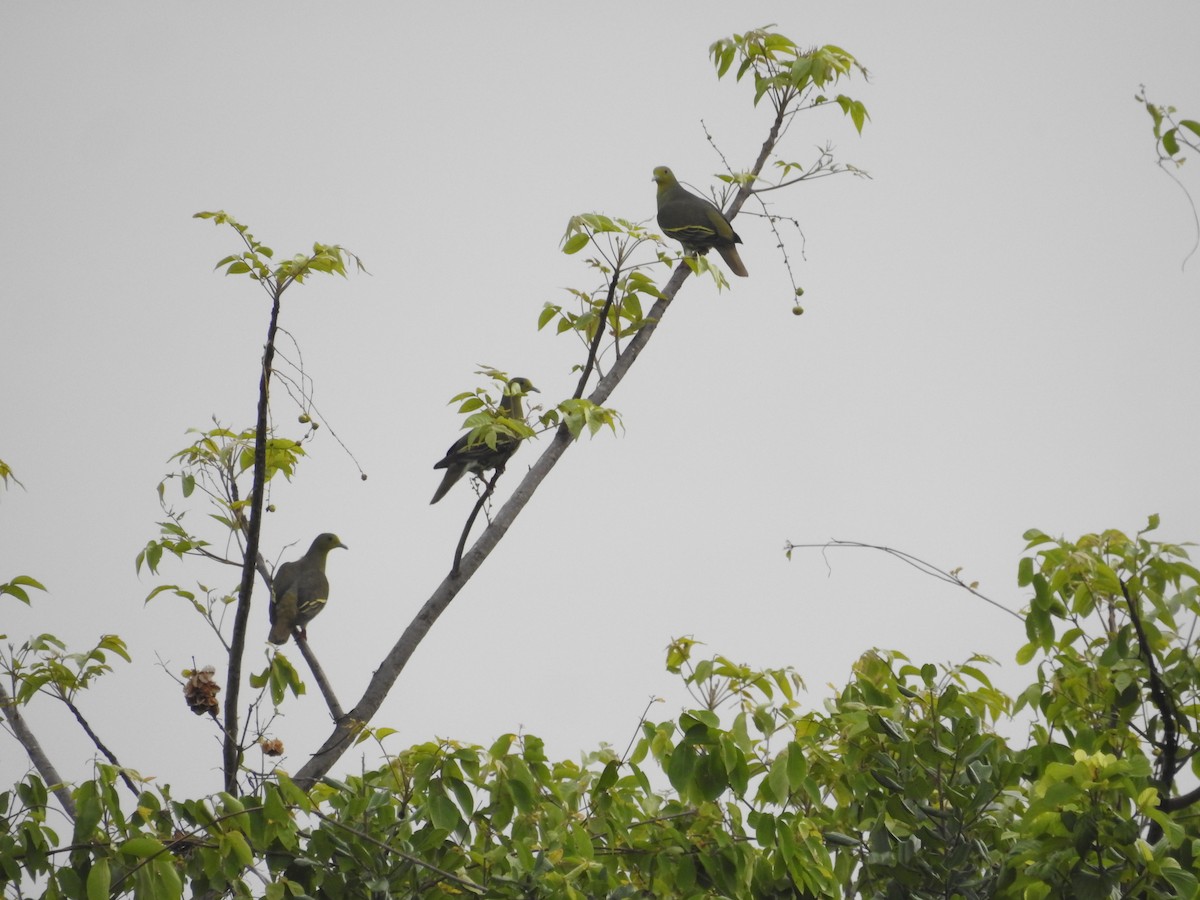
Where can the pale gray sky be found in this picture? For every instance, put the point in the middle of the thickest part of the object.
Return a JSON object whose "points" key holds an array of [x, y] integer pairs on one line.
{"points": [[998, 336]]}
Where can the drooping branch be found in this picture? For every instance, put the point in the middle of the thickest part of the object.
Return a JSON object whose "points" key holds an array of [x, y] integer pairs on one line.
{"points": [[917, 563], [33, 749]]}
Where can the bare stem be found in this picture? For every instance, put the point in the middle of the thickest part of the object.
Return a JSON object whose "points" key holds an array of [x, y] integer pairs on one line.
{"points": [[335, 708], [483, 498], [108, 754], [232, 751], [917, 563], [600, 327]]}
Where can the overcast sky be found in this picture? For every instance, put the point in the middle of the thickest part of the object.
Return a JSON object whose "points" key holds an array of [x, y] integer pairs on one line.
{"points": [[998, 335]]}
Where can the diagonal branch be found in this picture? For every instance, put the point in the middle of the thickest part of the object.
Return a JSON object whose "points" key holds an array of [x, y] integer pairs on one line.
{"points": [[483, 498], [397, 658], [41, 762], [331, 700], [601, 324], [108, 754]]}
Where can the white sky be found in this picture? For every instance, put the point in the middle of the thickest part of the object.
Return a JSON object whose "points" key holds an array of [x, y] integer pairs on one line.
{"points": [[998, 336]]}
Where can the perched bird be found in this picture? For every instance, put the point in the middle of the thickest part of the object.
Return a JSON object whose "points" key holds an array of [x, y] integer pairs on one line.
{"points": [[695, 222], [476, 458], [300, 589]]}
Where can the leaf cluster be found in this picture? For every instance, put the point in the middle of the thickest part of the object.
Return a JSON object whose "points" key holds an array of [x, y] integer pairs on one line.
{"points": [[786, 74]]}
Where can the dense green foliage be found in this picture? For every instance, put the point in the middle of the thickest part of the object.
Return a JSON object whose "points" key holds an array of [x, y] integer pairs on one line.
{"points": [[901, 785]]}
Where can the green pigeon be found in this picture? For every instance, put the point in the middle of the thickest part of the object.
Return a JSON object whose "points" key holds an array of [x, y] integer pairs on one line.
{"points": [[300, 589], [477, 458], [695, 222]]}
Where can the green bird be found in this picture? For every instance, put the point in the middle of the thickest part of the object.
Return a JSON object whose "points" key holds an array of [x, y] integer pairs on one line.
{"points": [[300, 590], [695, 222], [478, 458]]}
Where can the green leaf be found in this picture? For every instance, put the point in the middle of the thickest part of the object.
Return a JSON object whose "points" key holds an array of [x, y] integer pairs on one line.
{"points": [[99, 880], [442, 812], [1169, 143], [797, 766], [680, 769], [841, 840], [168, 885], [233, 842], [1184, 883], [87, 802], [141, 847], [575, 243], [607, 778]]}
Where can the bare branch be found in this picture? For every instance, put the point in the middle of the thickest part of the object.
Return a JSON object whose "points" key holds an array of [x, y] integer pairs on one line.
{"points": [[232, 753], [919, 564], [335, 708], [41, 762], [108, 754], [479, 504], [601, 325]]}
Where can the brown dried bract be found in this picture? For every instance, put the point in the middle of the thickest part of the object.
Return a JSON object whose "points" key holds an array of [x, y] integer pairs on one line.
{"points": [[271, 746], [200, 691]]}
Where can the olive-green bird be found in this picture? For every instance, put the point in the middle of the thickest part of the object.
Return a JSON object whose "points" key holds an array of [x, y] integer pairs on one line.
{"points": [[300, 589], [695, 222], [478, 458]]}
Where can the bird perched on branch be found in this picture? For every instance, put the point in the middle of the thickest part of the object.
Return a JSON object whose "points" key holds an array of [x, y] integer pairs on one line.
{"points": [[300, 589], [464, 457], [695, 222]]}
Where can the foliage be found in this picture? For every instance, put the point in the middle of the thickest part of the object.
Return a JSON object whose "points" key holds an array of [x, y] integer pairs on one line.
{"points": [[901, 785], [6, 474], [1172, 136], [1173, 139]]}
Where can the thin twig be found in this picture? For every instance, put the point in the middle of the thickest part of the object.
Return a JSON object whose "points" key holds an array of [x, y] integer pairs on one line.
{"points": [[637, 730], [919, 564], [483, 498], [601, 325], [108, 754]]}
